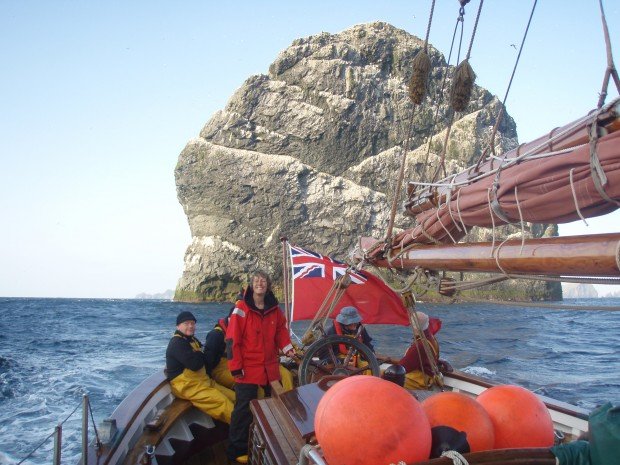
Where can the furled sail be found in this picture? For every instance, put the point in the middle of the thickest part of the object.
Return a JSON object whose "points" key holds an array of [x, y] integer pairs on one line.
{"points": [[572, 172]]}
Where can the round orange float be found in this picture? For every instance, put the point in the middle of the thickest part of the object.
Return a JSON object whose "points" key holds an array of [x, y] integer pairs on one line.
{"points": [[458, 423], [519, 417], [364, 420]]}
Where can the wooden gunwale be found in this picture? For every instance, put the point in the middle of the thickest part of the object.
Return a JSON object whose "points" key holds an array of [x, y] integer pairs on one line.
{"points": [[126, 414], [551, 404], [173, 412]]}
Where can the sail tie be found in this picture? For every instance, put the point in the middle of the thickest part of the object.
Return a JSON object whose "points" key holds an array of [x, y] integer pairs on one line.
{"points": [[572, 188], [458, 209], [598, 173], [492, 221], [496, 256], [441, 222], [449, 202], [496, 207], [520, 220]]}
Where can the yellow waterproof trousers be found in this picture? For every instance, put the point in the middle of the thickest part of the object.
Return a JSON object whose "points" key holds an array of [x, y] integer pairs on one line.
{"points": [[417, 379], [221, 374], [286, 378], [204, 393]]}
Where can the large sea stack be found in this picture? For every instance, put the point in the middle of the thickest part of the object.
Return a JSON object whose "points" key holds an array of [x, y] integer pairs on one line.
{"points": [[311, 151]]}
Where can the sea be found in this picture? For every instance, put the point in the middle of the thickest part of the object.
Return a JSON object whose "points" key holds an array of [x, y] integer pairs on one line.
{"points": [[53, 351]]}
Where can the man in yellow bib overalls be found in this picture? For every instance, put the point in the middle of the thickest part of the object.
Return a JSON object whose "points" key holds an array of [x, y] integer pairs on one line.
{"points": [[185, 369]]}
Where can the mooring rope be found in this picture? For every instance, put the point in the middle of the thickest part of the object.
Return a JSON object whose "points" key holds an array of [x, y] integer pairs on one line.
{"points": [[456, 457]]}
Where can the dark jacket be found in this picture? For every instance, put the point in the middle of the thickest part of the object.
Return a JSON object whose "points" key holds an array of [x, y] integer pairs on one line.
{"points": [[215, 345], [180, 355], [364, 336]]}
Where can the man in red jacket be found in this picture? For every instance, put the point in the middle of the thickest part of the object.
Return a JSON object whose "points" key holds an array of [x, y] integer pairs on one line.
{"points": [[256, 331]]}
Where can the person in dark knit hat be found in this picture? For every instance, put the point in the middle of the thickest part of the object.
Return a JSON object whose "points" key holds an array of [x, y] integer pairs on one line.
{"points": [[185, 370], [185, 316]]}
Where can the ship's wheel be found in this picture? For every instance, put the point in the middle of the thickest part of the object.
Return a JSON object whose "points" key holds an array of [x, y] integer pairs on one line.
{"points": [[325, 357]]}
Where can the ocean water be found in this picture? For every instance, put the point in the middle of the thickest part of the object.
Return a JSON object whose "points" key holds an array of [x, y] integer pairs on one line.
{"points": [[52, 351]]}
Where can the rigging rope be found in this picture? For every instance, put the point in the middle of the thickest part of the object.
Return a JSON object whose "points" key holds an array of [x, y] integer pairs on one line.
{"points": [[417, 90], [440, 92], [611, 69], [491, 146], [464, 75]]}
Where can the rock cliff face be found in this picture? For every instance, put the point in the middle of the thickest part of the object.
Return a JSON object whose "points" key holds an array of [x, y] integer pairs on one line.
{"points": [[310, 151]]}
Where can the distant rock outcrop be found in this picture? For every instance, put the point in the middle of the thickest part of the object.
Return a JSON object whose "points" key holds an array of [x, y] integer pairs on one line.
{"points": [[167, 295], [310, 151], [579, 291]]}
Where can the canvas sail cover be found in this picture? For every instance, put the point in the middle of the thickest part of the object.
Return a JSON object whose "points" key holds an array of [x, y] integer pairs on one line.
{"points": [[551, 189]]}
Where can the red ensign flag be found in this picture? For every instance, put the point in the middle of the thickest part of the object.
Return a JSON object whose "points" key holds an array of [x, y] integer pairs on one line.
{"points": [[313, 276]]}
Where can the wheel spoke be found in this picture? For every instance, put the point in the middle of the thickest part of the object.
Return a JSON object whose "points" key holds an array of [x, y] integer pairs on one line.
{"points": [[332, 355], [327, 369], [327, 350], [357, 370], [350, 354]]}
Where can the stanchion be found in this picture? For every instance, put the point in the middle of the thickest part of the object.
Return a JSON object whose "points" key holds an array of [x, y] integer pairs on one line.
{"points": [[85, 429], [57, 444]]}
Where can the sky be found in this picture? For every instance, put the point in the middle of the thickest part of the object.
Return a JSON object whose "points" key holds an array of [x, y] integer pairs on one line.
{"points": [[97, 100]]}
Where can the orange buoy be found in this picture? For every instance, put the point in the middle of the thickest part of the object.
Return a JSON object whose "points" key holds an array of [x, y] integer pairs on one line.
{"points": [[364, 420], [458, 423], [519, 417]]}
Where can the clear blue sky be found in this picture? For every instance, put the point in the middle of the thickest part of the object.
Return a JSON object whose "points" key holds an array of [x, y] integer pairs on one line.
{"points": [[97, 99]]}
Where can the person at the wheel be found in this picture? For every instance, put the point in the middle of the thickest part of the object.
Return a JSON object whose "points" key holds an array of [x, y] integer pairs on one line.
{"points": [[347, 323]]}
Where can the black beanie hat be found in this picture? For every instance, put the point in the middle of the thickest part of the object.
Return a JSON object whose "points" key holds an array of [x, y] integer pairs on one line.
{"points": [[185, 316]]}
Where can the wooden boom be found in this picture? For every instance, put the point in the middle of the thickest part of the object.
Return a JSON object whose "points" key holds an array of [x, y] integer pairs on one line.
{"points": [[594, 255]]}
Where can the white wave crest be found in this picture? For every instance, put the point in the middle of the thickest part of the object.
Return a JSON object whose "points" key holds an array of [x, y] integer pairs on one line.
{"points": [[6, 459], [479, 371]]}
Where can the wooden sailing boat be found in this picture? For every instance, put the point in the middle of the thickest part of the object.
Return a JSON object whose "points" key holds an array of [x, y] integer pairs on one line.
{"points": [[581, 160]]}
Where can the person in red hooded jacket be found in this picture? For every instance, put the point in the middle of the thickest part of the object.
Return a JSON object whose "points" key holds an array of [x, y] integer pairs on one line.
{"points": [[421, 360], [256, 332]]}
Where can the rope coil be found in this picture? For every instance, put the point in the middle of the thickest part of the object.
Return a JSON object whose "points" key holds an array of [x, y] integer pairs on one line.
{"points": [[456, 457]]}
